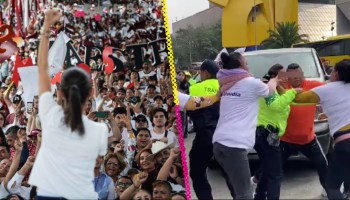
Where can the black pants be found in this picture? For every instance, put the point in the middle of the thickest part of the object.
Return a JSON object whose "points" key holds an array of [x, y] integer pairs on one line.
{"points": [[339, 170], [270, 179], [200, 156], [49, 198], [313, 152]]}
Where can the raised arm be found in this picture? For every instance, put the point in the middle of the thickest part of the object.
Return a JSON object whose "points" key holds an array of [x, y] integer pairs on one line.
{"points": [[307, 97], [165, 170], [14, 164], [51, 16]]}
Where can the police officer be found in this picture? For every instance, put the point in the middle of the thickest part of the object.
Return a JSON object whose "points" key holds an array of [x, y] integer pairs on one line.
{"points": [[204, 123]]}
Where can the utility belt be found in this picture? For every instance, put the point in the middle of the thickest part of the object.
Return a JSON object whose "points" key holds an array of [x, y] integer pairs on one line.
{"points": [[271, 133]]}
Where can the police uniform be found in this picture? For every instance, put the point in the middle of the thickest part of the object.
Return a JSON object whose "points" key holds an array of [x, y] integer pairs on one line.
{"points": [[204, 123]]}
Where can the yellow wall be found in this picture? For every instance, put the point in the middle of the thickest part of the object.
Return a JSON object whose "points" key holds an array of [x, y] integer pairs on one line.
{"points": [[238, 28]]}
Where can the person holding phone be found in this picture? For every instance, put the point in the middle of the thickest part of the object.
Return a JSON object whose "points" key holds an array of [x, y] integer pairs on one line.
{"points": [[64, 129]]}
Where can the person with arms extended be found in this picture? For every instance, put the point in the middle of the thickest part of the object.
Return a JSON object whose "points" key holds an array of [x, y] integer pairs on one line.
{"points": [[300, 134], [235, 131], [71, 142], [334, 98]]}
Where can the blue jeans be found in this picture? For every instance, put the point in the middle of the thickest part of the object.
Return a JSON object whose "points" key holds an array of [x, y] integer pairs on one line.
{"points": [[269, 183]]}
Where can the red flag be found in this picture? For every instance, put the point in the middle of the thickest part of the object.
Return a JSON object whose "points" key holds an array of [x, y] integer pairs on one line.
{"points": [[85, 67], [20, 63], [107, 60], [56, 78]]}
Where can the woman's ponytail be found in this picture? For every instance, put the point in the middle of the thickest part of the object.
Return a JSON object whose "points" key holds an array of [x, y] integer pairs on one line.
{"points": [[231, 61], [73, 112]]}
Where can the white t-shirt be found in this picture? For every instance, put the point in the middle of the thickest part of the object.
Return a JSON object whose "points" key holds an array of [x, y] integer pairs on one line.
{"points": [[18, 189], [3, 191], [335, 98], [143, 75], [183, 99], [65, 163], [238, 114], [171, 136]]}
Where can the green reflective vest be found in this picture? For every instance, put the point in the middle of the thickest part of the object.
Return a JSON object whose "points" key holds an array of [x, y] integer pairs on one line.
{"points": [[205, 88]]}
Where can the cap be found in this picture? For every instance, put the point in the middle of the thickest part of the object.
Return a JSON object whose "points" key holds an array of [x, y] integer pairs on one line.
{"points": [[140, 117], [34, 132], [187, 73], [147, 61], [210, 66], [17, 99], [158, 97]]}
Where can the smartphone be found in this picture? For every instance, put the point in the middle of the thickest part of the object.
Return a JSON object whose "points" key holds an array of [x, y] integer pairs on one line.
{"points": [[29, 107], [102, 115]]}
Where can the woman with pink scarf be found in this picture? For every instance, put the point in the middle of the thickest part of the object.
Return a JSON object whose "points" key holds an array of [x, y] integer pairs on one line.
{"points": [[235, 132]]}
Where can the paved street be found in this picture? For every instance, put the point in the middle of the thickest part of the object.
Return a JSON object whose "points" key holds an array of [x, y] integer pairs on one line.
{"points": [[300, 181]]}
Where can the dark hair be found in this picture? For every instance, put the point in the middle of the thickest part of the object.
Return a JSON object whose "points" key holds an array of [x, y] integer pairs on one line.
{"points": [[343, 69], [12, 131], [273, 72], [121, 77], [119, 110], [122, 90], [125, 177], [4, 141], [162, 183], [111, 89], [143, 129], [76, 87], [293, 66], [11, 195], [156, 110], [231, 61]]}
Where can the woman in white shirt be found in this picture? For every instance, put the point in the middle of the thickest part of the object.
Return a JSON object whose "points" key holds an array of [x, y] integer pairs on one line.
{"points": [[64, 166], [334, 98], [235, 131]]}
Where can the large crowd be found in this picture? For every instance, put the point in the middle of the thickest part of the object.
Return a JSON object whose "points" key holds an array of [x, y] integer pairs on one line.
{"points": [[142, 159]]}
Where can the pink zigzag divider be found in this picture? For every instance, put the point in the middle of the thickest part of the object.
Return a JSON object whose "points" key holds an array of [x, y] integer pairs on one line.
{"points": [[183, 152]]}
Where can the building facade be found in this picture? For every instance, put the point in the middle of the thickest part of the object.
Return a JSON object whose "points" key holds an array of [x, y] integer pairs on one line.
{"points": [[317, 18], [343, 16]]}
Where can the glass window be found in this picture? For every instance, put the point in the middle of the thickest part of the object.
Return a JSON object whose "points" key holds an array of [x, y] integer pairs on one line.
{"points": [[260, 64]]}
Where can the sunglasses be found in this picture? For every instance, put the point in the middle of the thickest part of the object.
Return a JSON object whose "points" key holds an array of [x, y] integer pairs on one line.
{"points": [[141, 120], [123, 185]]}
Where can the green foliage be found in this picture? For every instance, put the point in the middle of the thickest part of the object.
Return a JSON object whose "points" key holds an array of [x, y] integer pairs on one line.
{"points": [[285, 35], [196, 44]]}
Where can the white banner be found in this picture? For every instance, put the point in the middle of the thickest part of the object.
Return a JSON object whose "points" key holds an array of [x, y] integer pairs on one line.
{"points": [[30, 83], [57, 54]]}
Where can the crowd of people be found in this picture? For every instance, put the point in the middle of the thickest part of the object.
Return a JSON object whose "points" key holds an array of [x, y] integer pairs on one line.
{"points": [[273, 116], [136, 134]]}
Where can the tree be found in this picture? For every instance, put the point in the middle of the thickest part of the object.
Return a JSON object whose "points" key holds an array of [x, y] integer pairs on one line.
{"points": [[285, 35], [196, 44]]}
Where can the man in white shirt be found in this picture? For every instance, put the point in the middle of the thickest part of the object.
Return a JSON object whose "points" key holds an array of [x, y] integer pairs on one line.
{"points": [[159, 119], [146, 71]]}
